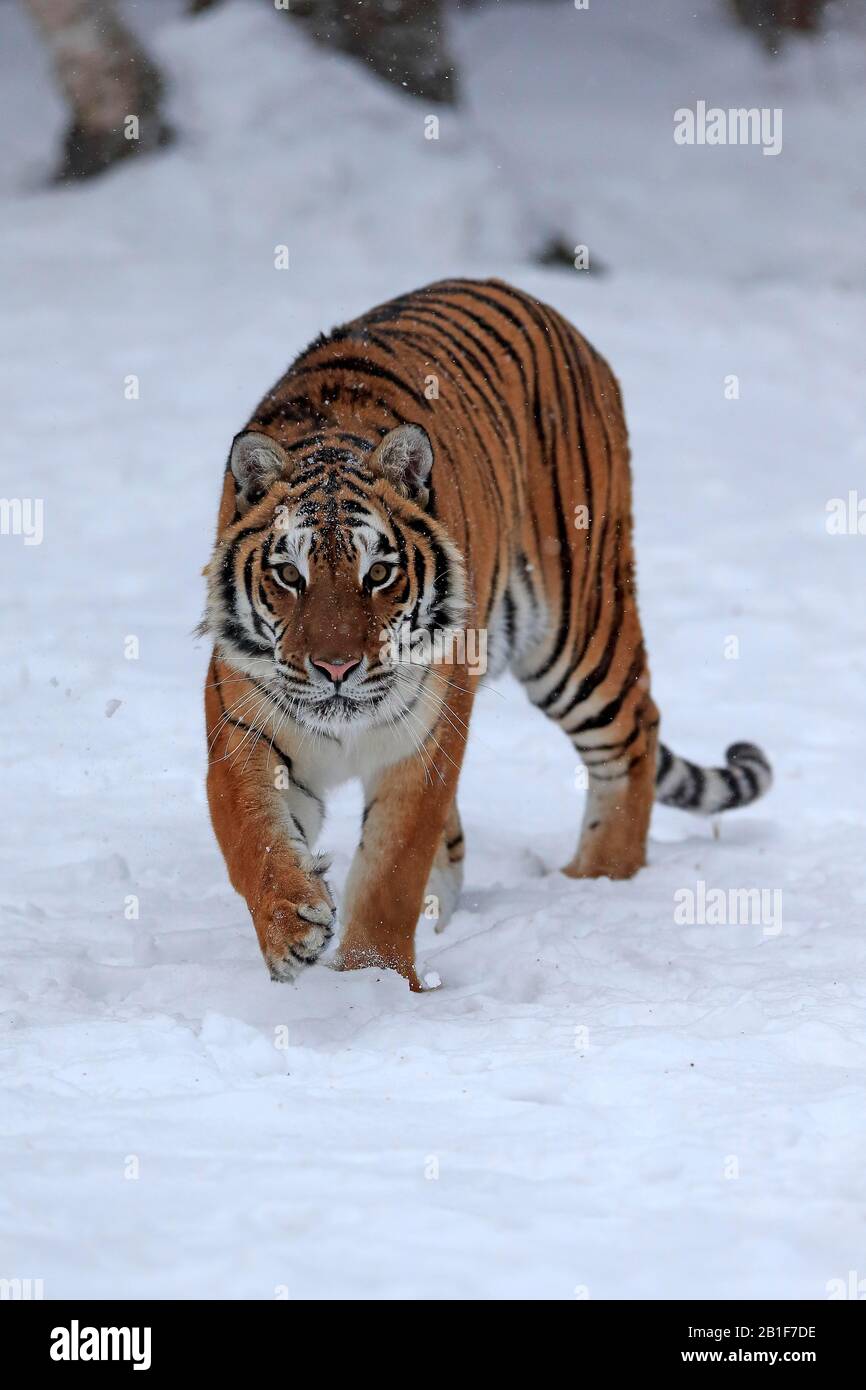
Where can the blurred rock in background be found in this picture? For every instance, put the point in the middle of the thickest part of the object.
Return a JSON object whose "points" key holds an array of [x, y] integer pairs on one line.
{"points": [[111, 85], [770, 18], [401, 40]]}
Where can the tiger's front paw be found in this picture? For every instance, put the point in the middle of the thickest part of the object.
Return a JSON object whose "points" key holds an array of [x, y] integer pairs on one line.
{"points": [[297, 935], [358, 952], [293, 934]]}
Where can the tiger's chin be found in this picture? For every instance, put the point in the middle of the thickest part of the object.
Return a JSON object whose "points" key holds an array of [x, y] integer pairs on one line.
{"points": [[336, 715], [342, 715]]}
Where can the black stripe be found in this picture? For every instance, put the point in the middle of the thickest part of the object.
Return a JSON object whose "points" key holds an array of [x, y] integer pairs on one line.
{"points": [[593, 678], [611, 710], [618, 776], [665, 763], [367, 368]]}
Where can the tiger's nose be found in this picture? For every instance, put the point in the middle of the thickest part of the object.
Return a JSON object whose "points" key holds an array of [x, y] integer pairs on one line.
{"points": [[336, 669]]}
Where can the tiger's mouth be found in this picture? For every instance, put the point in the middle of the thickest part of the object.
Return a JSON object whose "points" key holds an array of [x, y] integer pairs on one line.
{"points": [[337, 706], [329, 710]]}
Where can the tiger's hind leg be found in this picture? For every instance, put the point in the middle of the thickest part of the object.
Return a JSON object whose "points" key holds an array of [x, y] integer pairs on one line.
{"points": [[621, 768], [446, 877], [603, 705]]}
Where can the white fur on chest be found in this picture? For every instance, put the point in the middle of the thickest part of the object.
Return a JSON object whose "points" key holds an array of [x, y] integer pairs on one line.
{"points": [[328, 762]]}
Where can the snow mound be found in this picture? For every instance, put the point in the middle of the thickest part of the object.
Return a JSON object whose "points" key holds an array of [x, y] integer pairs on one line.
{"points": [[281, 142]]}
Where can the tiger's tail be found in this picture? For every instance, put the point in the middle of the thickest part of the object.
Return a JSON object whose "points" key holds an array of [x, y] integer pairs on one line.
{"points": [[708, 790]]}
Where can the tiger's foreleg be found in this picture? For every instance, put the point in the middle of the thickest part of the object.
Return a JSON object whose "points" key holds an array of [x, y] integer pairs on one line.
{"points": [[266, 820], [446, 877], [410, 808]]}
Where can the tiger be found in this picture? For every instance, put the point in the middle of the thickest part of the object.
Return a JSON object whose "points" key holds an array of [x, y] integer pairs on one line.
{"points": [[452, 462]]}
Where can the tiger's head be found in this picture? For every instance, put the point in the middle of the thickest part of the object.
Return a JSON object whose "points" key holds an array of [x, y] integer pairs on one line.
{"points": [[326, 568]]}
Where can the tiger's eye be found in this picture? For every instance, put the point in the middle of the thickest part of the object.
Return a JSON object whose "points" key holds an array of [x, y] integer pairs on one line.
{"points": [[290, 574], [379, 572]]}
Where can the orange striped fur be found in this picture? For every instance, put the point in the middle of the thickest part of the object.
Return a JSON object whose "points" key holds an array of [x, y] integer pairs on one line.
{"points": [[456, 462]]}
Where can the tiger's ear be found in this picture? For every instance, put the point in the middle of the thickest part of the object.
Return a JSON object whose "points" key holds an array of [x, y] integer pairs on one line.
{"points": [[405, 458], [256, 461]]}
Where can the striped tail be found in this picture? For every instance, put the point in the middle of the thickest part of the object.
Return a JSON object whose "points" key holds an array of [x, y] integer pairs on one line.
{"points": [[708, 790]]}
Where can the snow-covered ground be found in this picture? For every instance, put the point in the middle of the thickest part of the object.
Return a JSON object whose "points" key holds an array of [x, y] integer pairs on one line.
{"points": [[599, 1100]]}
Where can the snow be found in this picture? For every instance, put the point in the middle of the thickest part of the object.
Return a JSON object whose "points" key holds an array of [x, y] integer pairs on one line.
{"points": [[563, 1116]]}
